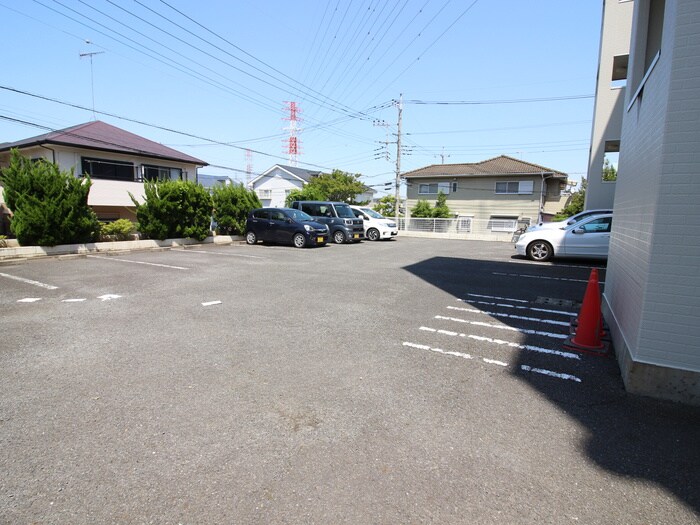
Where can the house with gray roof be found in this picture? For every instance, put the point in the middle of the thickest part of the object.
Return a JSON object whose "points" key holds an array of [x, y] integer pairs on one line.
{"points": [[274, 185], [117, 161], [504, 191]]}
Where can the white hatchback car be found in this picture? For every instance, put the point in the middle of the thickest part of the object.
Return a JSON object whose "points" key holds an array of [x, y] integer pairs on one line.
{"points": [[589, 237], [567, 222], [376, 225]]}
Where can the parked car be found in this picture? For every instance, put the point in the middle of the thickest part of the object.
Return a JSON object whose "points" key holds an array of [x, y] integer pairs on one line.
{"points": [[569, 221], [338, 216], [589, 237], [376, 225], [284, 225]]}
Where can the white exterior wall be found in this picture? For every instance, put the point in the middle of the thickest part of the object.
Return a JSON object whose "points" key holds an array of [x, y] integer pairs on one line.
{"points": [[652, 290], [609, 102], [105, 192], [278, 183]]}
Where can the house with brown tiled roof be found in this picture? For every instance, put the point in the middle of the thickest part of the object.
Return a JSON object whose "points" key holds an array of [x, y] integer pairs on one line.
{"points": [[504, 191], [117, 161]]}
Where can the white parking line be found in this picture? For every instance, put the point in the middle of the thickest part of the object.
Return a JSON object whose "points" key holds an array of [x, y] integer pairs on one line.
{"points": [[222, 253], [530, 348], [542, 371], [211, 303], [509, 316], [73, 300], [518, 307], [498, 298], [455, 354], [503, 327], [526, 276], [138, 262], [29, 300], [29, 281]]}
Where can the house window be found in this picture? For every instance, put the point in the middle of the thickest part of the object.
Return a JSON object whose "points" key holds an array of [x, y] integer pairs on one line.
{"points": [[108, 169], [502, 224], [523, 187], [265, 194], [464, 224], [160, 173], [619, 72], [435, 188]]}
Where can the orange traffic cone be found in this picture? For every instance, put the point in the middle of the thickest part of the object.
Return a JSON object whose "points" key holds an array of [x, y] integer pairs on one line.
{"points": [[589, 329]]}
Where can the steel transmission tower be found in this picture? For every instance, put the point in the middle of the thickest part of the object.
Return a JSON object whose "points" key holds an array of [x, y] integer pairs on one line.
{"points": [[293, 142]]}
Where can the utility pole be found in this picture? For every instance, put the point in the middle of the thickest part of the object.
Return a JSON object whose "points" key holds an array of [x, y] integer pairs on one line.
{"points": [[443, 155], [398, 161]]}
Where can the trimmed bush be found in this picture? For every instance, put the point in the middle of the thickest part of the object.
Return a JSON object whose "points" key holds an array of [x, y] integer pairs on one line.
{"points": [[231, 207], [174, 209], [119, 230], [422, 210], [441, 210], [49, 206]]}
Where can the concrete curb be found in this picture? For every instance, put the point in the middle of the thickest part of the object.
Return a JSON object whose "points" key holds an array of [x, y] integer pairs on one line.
{"points": [[23, 253]]}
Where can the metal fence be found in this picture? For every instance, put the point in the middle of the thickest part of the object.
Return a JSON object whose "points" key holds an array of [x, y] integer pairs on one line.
{"points": [[461, 228]]}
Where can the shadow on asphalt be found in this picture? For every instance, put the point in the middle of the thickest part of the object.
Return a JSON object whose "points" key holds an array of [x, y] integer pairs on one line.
{"points": [[629, 435]]}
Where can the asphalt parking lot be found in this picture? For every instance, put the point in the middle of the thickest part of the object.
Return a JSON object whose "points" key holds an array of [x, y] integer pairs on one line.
{"points": [[408, 381]]}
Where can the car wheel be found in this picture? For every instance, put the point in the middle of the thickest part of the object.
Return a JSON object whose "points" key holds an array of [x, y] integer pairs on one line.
{"points": [[299, 240], [373, 234], [540, 251], [251, 238], [339, 237]]}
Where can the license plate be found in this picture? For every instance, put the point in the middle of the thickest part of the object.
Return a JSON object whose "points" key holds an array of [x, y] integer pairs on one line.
{"points": [[321, 240], [356, 236]]}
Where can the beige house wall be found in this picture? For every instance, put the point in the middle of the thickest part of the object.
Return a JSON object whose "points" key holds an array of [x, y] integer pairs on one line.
{"points": [[476, 197]]}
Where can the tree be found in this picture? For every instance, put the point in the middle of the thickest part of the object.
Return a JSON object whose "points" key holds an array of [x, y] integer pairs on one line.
{"points": [[609, 171], [422, 209], [174, 209], [441, 210], [307, 193], [386, 206], [232, 204], [49, 206], [575, 204]]}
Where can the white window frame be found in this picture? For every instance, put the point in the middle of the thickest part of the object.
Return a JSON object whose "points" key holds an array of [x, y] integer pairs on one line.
{"points": [[264, 194], [525, 187], [443, 187]]}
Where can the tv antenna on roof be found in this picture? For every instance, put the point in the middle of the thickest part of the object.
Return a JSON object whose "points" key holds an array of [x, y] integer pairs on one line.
{"points": [[91, 54]]}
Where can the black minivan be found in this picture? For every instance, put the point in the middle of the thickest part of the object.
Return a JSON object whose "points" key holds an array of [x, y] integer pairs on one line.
{"points": [[338, 216], [284, 225]]}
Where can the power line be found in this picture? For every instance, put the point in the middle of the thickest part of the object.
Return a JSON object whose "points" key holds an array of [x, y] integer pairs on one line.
{"points": [[502, 101], [155, 126]]}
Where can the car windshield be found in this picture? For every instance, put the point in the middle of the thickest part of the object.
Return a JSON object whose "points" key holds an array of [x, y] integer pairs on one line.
{"points": [[299, 215], [372, 213], [344, 211]]}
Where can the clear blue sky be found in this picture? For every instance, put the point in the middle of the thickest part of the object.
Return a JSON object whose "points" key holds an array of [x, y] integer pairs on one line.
{"points": [[223, 73]]}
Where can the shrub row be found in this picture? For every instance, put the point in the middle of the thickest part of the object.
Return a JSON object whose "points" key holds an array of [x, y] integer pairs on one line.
{"points": [[50, 207]]}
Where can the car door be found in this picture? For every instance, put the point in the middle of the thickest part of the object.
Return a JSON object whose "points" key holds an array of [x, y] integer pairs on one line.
{"points": [[281, 229], [260, 224], [589, 238]]}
